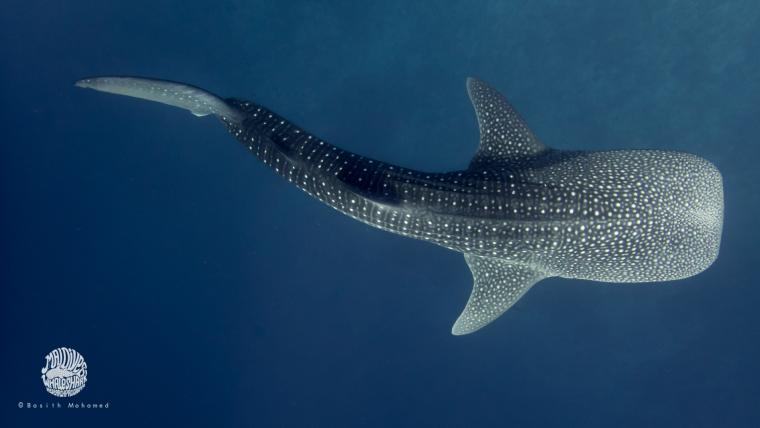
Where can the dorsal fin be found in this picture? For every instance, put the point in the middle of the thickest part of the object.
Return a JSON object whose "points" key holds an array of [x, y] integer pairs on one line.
{"points": [[504, 136]]}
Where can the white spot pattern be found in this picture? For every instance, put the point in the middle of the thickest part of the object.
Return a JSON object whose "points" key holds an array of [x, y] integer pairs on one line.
{"points": [[504, 135], [498, 284], [520, 213]]}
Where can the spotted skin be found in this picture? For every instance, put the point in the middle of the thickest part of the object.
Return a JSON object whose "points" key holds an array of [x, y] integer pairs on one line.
{"points": [[500, 283], [499, 122], [520, 213]]}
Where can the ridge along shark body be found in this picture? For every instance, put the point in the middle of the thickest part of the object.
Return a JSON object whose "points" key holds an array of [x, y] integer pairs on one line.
{"points": [[520, 213]]}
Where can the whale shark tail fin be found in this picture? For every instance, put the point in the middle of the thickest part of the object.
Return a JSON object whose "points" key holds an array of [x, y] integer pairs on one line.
{"points": [[498, 284], [198, 101]]}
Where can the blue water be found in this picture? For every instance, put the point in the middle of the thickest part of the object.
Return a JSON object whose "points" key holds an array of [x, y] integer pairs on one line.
{"points": [[204, 291]]}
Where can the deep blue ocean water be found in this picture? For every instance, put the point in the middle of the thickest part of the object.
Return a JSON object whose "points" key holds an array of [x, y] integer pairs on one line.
{"points": [[202, 290]]}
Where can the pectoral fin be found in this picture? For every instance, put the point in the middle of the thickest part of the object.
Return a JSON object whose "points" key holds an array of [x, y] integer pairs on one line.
{"points": [[504, 135], [498, 284]]}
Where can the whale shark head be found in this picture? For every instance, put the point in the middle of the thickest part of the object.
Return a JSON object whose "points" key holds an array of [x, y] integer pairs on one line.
{"points": [[701, 214]]}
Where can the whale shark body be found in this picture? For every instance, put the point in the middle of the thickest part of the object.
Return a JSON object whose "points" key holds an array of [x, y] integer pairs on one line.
{"points": [[520, 212]]}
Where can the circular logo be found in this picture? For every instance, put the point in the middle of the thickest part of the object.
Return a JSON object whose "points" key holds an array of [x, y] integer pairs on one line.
{"points": [[65, 372]]}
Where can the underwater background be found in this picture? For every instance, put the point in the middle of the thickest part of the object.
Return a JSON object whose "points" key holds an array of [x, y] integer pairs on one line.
{"points": [[202, 290]]}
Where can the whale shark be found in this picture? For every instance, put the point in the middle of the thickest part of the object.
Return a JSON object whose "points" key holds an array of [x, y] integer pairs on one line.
{"points": [[521, 212]]}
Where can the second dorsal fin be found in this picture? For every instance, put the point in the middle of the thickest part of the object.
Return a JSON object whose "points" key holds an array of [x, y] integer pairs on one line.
{"points": [[504, 136]]}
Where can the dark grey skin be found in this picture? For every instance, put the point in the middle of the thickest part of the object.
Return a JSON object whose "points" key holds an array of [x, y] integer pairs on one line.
{"points": [[520, 213]]}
